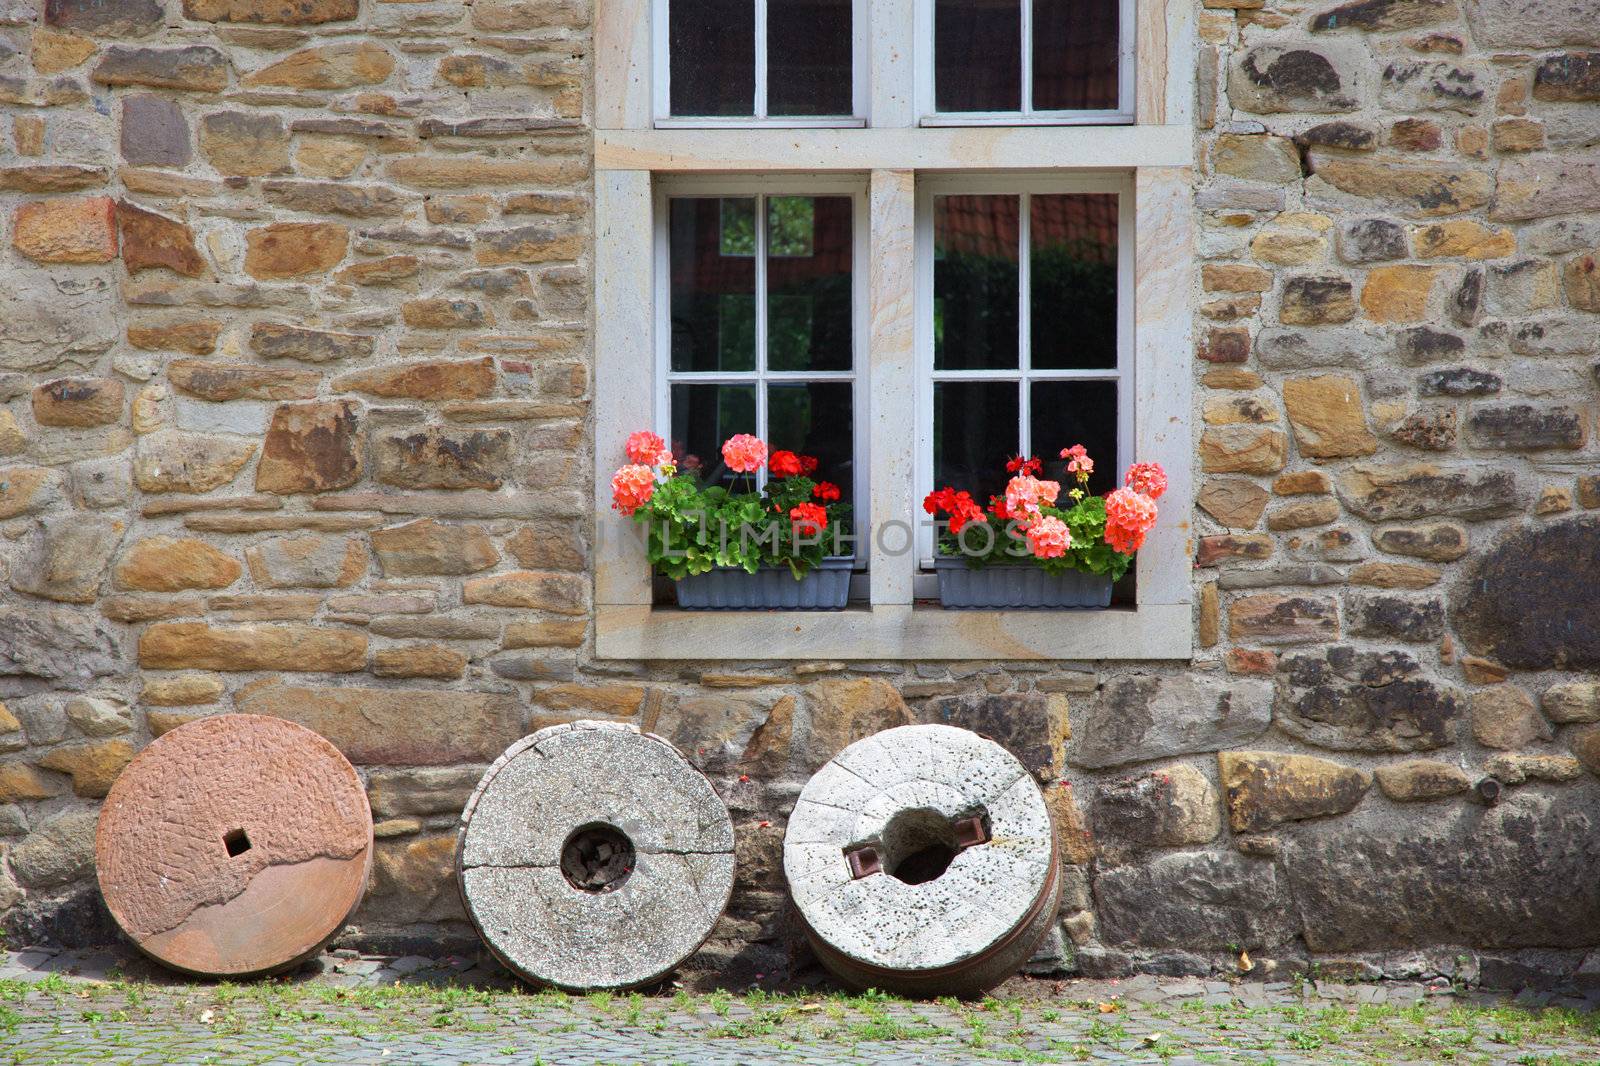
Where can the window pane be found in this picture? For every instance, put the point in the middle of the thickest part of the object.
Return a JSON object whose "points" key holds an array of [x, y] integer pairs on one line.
{"points": [[816, 418], [808, 57], [1077, 412], [703, 416], [713, 280], [713, 49], [809, 254], [1075, 55], [975, 251], [1072, 293], [974, 433], [977, 55]]}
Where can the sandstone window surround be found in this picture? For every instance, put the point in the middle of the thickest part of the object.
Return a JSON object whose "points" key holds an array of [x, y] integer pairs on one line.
{"points": [[893, 153]]}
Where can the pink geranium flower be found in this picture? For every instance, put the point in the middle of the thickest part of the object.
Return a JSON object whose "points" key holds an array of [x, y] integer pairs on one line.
{"points": [[744, 453], [1129, 516], [1078, 461], [1048, 538], [647, 449], [1147, 478], [1025, 494], [632, 487]]}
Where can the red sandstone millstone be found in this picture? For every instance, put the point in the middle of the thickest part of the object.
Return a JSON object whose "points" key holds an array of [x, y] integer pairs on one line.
{"points": [[235, 845]]}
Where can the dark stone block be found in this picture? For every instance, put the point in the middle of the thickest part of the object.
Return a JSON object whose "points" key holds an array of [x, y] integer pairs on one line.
{"points": [[1349, 700], [1383, 15], [1351, 136], [1466, 303], [1424, 344], [154, 132], [1573, 77], [1029, 725], [105, 18], [1372, 240], [1458, 381], [1198, 901], [1524, 427], [1396, 617], [1530, 602]]}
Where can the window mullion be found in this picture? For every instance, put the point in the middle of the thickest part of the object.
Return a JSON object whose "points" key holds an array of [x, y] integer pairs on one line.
{"points": [[1026, 66], [761, 302], [761, 58], [1024, 320]]}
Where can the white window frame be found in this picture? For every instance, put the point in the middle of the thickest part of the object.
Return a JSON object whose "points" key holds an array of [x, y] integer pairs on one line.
{"points": [[1121, 185], [896, 153], [662, 83], [1027, 114], [763, 188]]}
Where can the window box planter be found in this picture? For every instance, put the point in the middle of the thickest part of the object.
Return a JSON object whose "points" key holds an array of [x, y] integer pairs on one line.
{"points": [[961, 587], [826, 587]]}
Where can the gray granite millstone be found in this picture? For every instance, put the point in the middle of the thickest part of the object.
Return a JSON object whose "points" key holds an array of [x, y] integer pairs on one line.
{"points": [[562, 779], [982, 910]]}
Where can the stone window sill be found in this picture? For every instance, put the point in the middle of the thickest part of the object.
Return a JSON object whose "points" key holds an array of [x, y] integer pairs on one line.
{"points": [[899, 632]]}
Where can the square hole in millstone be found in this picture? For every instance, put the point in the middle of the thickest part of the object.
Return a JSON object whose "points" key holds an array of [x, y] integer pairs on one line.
{"points": [[237, 841]]}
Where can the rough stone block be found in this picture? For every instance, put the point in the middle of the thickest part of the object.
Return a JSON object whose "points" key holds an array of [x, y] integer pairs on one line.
{"points": [[1139, 718], [66, 231]]}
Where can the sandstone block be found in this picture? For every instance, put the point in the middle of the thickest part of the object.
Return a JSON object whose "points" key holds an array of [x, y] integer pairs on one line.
{"points": [[420, 660], [1243, 449], [170, 461], [294, 249], [529, 244], [1283, 619], [274, 341], [154, 132], [1417, 190], [21, 783], [53, 52], [193, 69], [334, 66], [1316, 301], [565, 633], [1265, 789], [441, 312], [395, 727], [1226, 344], [1572, 701], [1324, 77], [1551, 187], [278, 12], [1504, 717], [307, 562], [437, 458], [1327, 416], [428, 546], [1531, 23], [337, 198], [59, 851], [93, 767], [151, 241], [1571, 77], [1218, 549], [132, 18], [222, 381], [1421, 779], [1459, 381], [561, 593], [181, 690], [1517, 769], [1234, 502], [1033, 727], [1303, 514], [198, 646], [1394, 575], [1420, 490], [245, 144], [66, 231], [442, 380], [311, 447], [1582, 280], [1439, 542], [172, 564], [1432, 85], [67, 558], [1398, 293], [78, 402], [195, 338], [425, 790]]}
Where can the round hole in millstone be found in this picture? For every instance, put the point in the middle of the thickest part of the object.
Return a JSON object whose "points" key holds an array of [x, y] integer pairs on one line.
{"points": [[597, 858], [542, 891], [234, 845], [937, 918]]}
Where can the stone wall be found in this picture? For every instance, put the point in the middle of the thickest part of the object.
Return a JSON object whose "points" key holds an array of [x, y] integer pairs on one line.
{"points": [[294, 419]]}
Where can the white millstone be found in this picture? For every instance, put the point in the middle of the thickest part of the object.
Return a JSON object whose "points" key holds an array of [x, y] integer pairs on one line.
{"points": [[535, 797], [882, 926]]}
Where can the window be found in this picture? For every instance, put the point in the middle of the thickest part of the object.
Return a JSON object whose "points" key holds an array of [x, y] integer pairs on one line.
{"points": [[1027, 315], [781, 62], [912, 248], [759, 309], [1009, 61]]}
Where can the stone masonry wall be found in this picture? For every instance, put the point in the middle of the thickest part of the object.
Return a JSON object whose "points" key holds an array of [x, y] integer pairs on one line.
{"points": [[294, 420]]}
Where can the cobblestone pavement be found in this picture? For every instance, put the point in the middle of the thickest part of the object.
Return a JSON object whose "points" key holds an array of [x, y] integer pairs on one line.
{"points": [[90, 1007]]}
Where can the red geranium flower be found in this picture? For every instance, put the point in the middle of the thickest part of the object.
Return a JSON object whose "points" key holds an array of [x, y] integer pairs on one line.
{"points": [[1018, 465], [809, 519], [784, 464], [808, 465], [826, 491]]}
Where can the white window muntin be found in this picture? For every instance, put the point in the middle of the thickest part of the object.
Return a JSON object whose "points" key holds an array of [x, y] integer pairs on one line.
{"points": [[661, 67], [762, 189], [1024, 375], [927, 106]]}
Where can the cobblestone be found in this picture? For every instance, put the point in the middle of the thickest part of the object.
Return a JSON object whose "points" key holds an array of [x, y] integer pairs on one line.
{"points": [[102, 1006]]}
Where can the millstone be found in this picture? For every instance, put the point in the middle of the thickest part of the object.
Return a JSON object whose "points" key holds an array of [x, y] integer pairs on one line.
{"points": [[234, 845], [923, 861], [594, 856]]}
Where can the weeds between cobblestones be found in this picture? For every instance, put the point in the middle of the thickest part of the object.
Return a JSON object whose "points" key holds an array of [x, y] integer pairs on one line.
{"points": [[430, 1016]]}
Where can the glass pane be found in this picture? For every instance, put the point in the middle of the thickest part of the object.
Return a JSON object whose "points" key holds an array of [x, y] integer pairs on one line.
{"points": [[713, 48], [1075, 55], [1072, 292], [703, 416], [974, 433], [809, 253], [977, 55], [808, 57], [712, 248], [816, 418], [975, 251], [1077, 412]]}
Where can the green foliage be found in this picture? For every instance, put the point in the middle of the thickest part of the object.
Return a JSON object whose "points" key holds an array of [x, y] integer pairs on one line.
{"points": [[991, 542], [691, 528]]}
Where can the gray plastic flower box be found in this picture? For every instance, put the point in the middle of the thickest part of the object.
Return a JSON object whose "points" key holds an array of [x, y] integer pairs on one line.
{"points": [[963, 588], [771, 588]]}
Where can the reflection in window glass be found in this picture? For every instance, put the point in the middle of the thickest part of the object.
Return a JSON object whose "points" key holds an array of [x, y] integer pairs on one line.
{"points": [[713, 283], [1072, 281], [815, 418], [974, 433], [1075, 61], [977, 55], [975, 277], [712, 66], [703, 416], [809, 57], [1065, 413], [809, 298]]}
